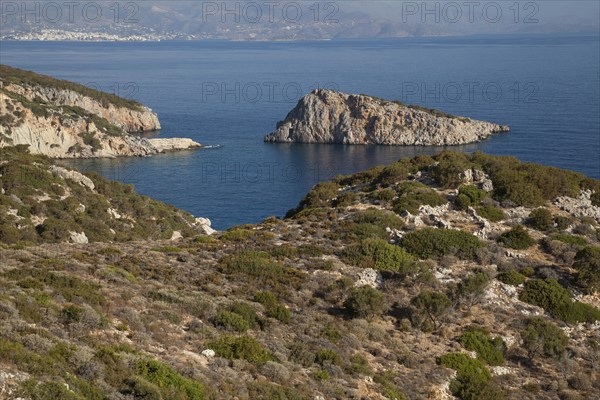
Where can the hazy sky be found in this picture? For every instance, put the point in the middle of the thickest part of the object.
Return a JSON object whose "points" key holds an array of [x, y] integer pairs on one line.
{"points": [[549, 9]]}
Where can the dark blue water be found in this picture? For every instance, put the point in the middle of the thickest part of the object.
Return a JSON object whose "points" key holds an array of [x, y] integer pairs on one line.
{"points": [[232, 94]]}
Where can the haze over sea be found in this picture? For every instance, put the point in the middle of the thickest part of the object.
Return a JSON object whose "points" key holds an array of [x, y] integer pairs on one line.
{"points": [[230, 94]]}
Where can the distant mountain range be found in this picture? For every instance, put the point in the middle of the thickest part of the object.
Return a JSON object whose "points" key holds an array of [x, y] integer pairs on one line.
{"points": [[273, 21]]}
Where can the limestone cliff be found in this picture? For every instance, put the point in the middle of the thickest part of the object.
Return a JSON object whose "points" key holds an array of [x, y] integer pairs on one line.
{"points": [[62, 119], [326, 116]]}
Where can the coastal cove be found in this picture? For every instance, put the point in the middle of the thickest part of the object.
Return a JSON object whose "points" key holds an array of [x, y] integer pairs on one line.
{"points": [[530, 84]]}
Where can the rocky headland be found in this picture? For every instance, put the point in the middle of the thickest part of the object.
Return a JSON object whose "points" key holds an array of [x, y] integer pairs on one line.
{"points": [[326, 116], [63, 119]]}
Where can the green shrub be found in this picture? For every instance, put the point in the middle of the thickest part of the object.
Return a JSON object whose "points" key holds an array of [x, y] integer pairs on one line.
{"points": [[273, 308], [241, 348], [259, 265], [346, 199], [474, 194], [517, 238], [450, 166], [541, 219], [394, 173], [324, 356], [587, 264], [512, 277], [320, 375], [331, 333], [556, 300], [462, 201], [319, 196], [141, 389], [427, 309], [386, 194], [473, 380], [247, 312], [47, 391], [542, 337], [9, 234], [388, 387], [365, 302], [490, 350], [280, 313], [378, 217], [566, 238], [433, 242], [232, 321], [463, 364], [411, 195], [359, 365], [56, 230], [491, 213], [473, 284], [70, 288], [380, 255], [170, 382]]}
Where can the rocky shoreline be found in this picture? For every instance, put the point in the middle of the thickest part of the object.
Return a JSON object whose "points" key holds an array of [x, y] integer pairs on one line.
{"points": [[326, 116], [61, 119]]}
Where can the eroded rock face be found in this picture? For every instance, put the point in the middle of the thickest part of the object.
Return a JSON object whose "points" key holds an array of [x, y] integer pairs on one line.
{"points": [[128, 119], [326, 116], [63, 123]]}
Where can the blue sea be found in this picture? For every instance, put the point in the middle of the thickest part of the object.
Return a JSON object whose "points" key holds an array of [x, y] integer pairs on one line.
{"points": [[230, 94]]}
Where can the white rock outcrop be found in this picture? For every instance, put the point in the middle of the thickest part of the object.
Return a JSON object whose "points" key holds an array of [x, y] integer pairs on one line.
{"points": [[327, 116], [579, 207], [72, 175], [57, 121], [204, 225]]}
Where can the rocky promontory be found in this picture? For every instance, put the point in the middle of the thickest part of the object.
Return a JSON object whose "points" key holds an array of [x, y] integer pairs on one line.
{"points": [[326, 116], [62, 119]]}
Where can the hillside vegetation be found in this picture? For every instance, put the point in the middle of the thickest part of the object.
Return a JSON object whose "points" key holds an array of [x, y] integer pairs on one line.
{"points": [[429, 278], [41, 202]]}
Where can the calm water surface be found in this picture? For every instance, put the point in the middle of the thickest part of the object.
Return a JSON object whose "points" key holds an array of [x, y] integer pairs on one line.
{"points": [[230, 95]]}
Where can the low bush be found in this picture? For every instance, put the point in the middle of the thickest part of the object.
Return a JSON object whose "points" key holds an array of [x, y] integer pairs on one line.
{"points": [[587, 264], [433, 242], [319, 196], [428, 308], [491, 350], [512, 277], [462, 202], [541, 219], [517, 238], [327, 356], [449, 167], [473, 380], [474, 194], [556, 300], [171, 384], [231, 321], [240, 348], [380, 255], [491, 213], [385, 219], [542, 337], [365, 302], [566, 238], [411, 195], [273, 308], [386, 194], [259, 265]]}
